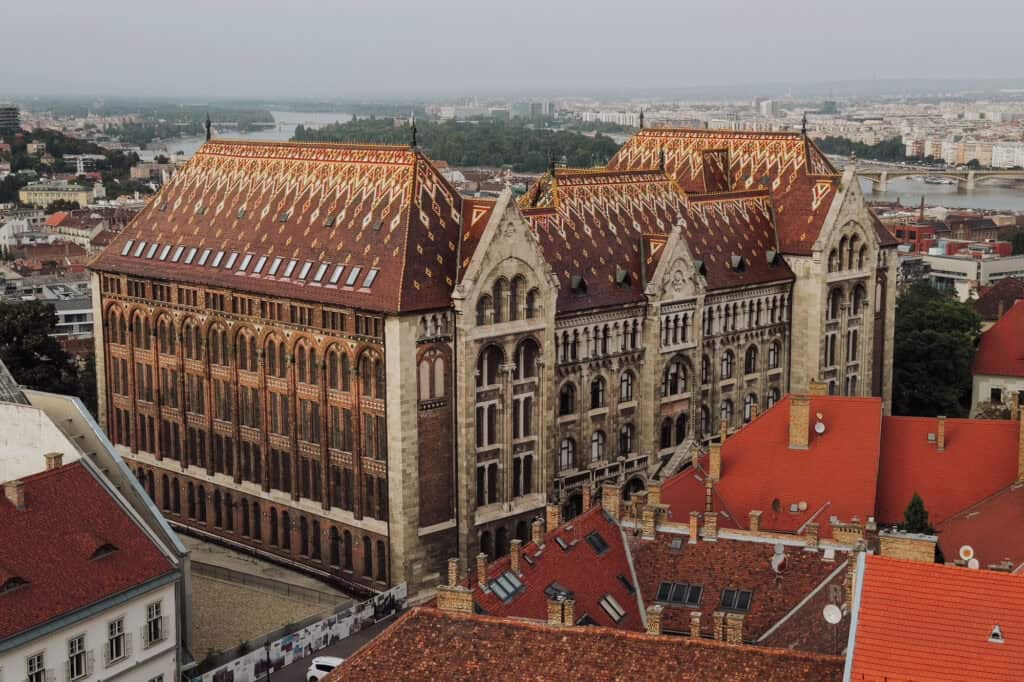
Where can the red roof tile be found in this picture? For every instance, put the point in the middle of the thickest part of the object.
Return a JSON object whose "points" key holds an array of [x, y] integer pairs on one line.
{"points": [[428, 644], [50, 544], [920, 621], [372, 207], [980, 458], [579, 569], [991, 528], [995, 300], [1001, 351]]}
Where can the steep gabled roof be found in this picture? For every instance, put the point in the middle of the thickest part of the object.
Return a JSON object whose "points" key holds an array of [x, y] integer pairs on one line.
{"points": [[920, 621], [1001, 351], [52, 545], [802, 181], [357, 206], [999, 298], [429, 644], [991, 528]]}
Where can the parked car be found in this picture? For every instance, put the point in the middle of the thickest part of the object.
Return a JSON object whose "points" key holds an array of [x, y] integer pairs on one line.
{"points": [[322, 665]]}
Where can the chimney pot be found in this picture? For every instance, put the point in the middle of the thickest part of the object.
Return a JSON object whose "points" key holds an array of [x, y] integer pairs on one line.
{"points": [[54, 460], [695, 623], [15, 493], [940, 434], [537, 532], [610, 499], [554, 516], [718, 617], [555, 611], [755, 521], [711, 527], [481, 569], [734, 628], [715, 462], [453, 572], [569, 612], [654, 619], [694, 524], [799, 422], [654, 492], [515, 552]]}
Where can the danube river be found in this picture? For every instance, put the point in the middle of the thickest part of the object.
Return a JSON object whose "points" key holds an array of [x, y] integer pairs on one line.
{"points": [[994, 195], [282, 131]]}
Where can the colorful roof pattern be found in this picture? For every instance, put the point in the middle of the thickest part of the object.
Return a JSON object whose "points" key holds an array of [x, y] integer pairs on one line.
{"points": [[919, 621], [52, 546], [429, 644], [979, 459], [1001, 350], [578, 569], [801, 179], [328, 215]]}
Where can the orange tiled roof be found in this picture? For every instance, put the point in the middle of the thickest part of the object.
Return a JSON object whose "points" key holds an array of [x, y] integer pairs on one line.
{"points": [[1001, 351], [429, 644], [375, 208], [919, 621]]}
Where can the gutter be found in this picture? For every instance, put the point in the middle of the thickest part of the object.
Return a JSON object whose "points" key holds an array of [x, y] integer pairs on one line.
{"points": [[858, 592]]}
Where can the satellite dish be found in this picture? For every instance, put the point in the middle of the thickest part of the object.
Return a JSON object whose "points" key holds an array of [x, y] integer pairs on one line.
{"points": [[832, 614], [819, 428], [966, 552], [974, 564]]}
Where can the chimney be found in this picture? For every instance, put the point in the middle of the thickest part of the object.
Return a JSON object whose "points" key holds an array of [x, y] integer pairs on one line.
{"points": [[561, 611], [587, 496], [694, 521], [453, 596], [849, 583], [799, 422], [755, 521], [723, 431], [481, 569], [53, 460], [734, 628], [811, 532], [715, 463], [818, 388], [1014, 405], [516, 553], [709, 495], [555, 611], [654, 493], [711, 527], [718, 617], [695, 623], [537, 532], [1020, 448], [649, 521], [610, 499], [569, 612], [453, 572], [654, 619], [554, 516], [753, 412], [15, 493], [940, 434]]}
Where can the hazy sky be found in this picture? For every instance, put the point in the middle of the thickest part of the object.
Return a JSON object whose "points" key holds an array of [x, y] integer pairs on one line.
{"points": [[340, 48]]}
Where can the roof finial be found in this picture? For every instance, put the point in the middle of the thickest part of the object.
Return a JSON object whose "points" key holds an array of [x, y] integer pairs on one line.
{"points": [[209, 126], [551, 163], [641, 118], [412, 122], [803, 125]]}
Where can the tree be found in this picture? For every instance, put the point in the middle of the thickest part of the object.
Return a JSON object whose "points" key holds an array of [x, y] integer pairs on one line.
{"points": [[31, 352], [1018, 242], [60, 205], [915, 517], [935, 339], [989, 410]]}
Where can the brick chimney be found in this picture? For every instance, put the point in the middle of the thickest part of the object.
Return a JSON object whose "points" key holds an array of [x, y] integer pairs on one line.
{"points": [[555, 611], [453, 572], [718, 617], [1014, 406], [755, 521], [610, 499], [1020, 448], [537, 532], [649, 521], [811, 532], [15, 493], [516, 554], [654, 619], [694, 523], [723, 430], [715, 463], [561, 611], [711, 527], [53, 460], [734, 628], [818, 388], [799, 422], [654, 493], [553, 515], [753, 412], [587, 497], [481, 569], [695, 623], [940, 434], [569, 612], [453, 596]]}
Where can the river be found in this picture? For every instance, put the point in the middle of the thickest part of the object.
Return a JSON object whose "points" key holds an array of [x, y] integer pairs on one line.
{"points": [[993, 195], [285, 123]]}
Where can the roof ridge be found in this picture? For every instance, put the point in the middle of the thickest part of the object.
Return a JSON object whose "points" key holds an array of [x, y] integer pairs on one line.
{"points": [[304, 144]]}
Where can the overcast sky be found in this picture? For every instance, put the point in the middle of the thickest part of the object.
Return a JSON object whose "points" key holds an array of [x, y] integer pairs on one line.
{"points": [[344, 48]]}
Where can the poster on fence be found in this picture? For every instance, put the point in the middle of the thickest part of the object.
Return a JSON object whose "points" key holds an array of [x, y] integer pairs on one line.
{"points": [[308, 640]]}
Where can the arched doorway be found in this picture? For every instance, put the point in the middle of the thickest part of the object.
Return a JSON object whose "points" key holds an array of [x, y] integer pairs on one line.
{"points": [[633, 485]]}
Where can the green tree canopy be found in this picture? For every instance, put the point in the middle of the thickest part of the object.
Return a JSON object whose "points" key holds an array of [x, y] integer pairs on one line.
{"points": [[915, 517], [60, 205], [34, 357], [936, 337]]}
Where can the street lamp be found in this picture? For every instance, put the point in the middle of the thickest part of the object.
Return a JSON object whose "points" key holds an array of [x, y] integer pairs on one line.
{"points": [[266, 650]]}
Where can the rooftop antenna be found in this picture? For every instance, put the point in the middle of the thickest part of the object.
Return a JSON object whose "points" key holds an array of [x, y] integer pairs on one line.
{"points": [[209, 126], [641, 118], [803, 125], [412, 123]]}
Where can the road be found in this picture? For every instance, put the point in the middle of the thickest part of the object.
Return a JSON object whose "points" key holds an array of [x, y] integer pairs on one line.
{"points": [[296, 671]]}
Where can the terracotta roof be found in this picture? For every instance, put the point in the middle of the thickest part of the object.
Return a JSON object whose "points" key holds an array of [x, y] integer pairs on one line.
{"points": [[919, 621], [728, 564], [579, 569], [801, 179], [368, 207], [51, 545], [1001, 351], [979, 459], [835, 476], [431, 644], [475, 215], [991, 528], [55, 219], [999, 298]]}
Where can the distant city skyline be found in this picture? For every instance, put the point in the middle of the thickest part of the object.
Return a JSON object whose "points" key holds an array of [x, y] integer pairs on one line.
{"points": [[310, 49]]}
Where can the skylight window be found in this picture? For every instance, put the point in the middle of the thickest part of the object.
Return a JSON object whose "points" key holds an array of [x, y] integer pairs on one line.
{"points": [[305, 270], [177, 254], [285, 215], [320, 271], [597, 542], [191, 256], [246, 259], [259, 265], [682, 594], [139, 249], [612, 608], [736, 600], [561, 543], [329, 222], [291, 268], [624, 581], [217, 259], [370, 277], [506, 586], [152, 250], [556, 590], [353, 275], [205, 256], [676, 544], [274, 266], [163, 252], [241, 212], [336, 275], [231, 261], [127, 247]]}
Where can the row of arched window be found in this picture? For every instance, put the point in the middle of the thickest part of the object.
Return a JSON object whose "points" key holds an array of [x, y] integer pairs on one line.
{"points": [[492, 357], [850, 254], [567, 456], [598, 340], [507, 302], [858, 299], [743, 315], [567, 394]]}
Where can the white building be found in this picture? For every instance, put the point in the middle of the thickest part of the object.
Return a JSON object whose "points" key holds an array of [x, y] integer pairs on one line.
{"points": [[770, 108], [999, 363], [965, 274]]}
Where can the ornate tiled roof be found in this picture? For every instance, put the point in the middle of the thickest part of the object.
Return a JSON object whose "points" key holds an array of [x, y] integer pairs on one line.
{"points": [[307, 221], [598, 224], [801, 179]]}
